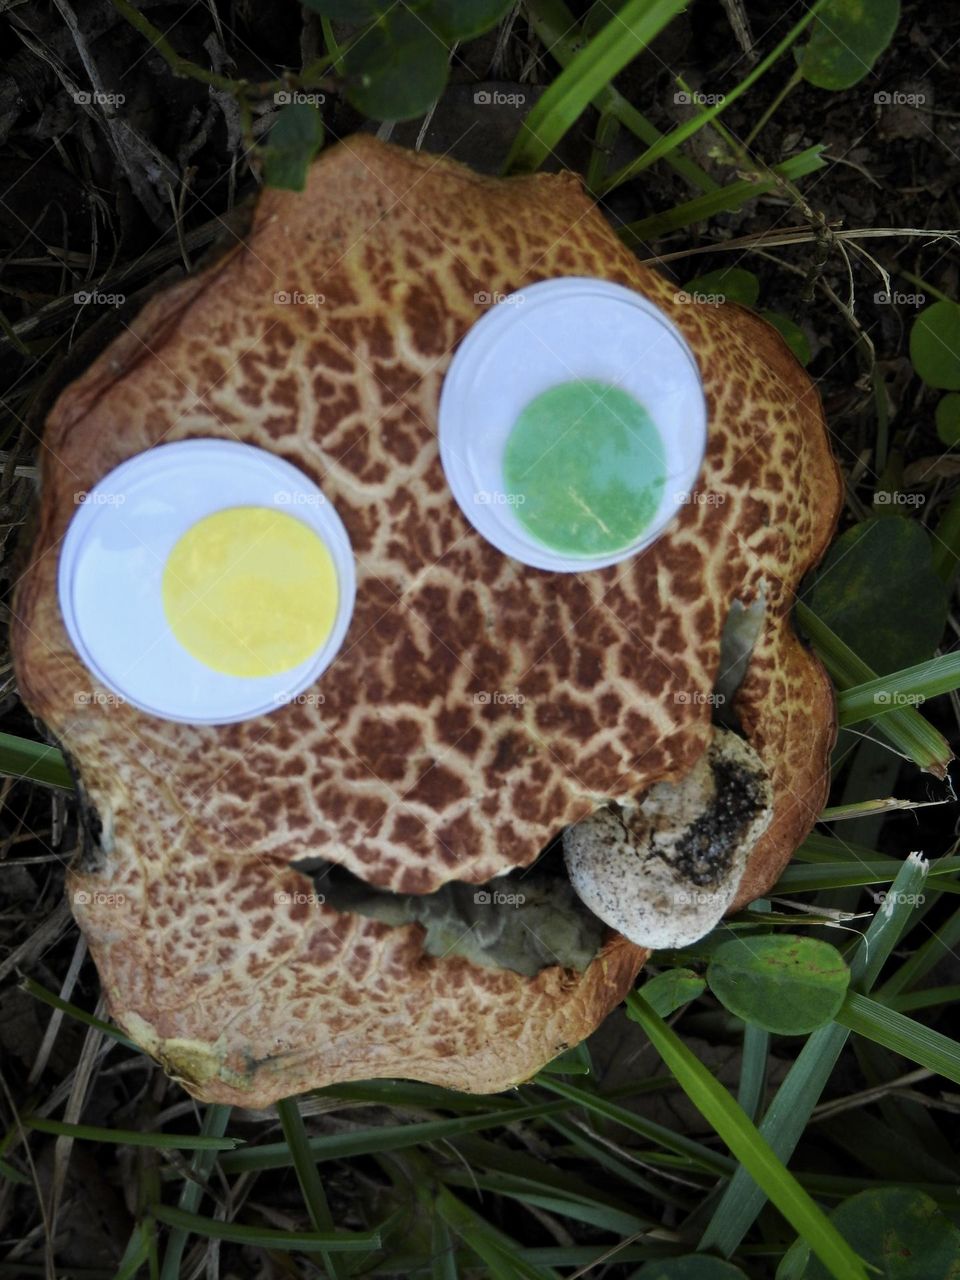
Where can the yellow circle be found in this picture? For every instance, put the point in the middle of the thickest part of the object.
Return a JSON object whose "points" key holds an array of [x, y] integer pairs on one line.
{"points": [[250, 591]]}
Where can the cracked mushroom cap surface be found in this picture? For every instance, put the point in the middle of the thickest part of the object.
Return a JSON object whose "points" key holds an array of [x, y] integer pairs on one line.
{"points": [[211, 953]]}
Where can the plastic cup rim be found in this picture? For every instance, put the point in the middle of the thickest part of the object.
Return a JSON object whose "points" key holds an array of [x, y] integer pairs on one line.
{"points": [[483, 334], [173, 454]]}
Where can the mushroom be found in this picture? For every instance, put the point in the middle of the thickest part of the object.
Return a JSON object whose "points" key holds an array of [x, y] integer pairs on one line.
{"points": [[270, 903]]}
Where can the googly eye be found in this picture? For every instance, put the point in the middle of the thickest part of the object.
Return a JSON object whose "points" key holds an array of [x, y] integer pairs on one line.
{"points": [[206, 581], [572, 424]]}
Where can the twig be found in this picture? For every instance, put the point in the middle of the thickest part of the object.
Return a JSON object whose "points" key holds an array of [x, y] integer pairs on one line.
{"points": [[185, 69], [737, 17], [803, 235]]}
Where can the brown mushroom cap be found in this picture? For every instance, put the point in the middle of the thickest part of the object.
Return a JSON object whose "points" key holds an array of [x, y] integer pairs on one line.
{"points": [[400, 774]]}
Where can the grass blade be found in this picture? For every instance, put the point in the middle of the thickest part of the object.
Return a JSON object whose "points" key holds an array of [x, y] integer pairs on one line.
{"points": [[905, 728], [559, 32], [268, 1237], [13, 1175], [911, 685], [616, 44], [822, 848], [918, 964], [753, 1069], [443, 1254], [378, 1139], [840, 875], [946, 542], [754, 1153], [498, 1251], [923, 1045], [494, 1158], [693, 1152], [927, 999], [608, 129], [791, 1107], [872, 808], [330, 44], [137, 1251], [405, 1094], [34, 761], [724, 200], [39, 992], [588, 1257], [597, 1151], [132, 1137], [214, 1125], [314, 1197], [580, 1208], [673, 139]]}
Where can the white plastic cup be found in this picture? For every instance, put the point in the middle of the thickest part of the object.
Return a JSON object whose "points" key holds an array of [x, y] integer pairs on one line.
{"points": [[553, 332], [112, 560]]}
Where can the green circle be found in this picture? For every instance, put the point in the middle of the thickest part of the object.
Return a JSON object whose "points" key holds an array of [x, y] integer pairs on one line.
{"points": [[948, 419], [787, 984], [584, 468], [935, 345]]}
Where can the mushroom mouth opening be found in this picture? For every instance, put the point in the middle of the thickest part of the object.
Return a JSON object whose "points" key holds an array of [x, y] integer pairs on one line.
{"points": [[527, 919], [662, 872]]}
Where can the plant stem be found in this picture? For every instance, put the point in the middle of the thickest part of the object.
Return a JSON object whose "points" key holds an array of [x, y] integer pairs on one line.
{"points": [[787, 88]]}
